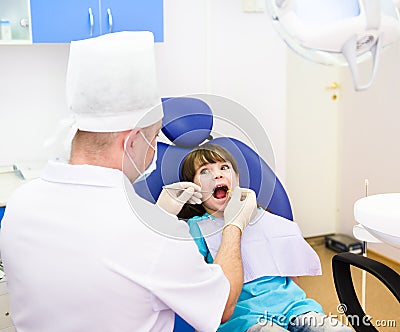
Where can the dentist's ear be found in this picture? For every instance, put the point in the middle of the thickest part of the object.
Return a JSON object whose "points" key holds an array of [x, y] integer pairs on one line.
{"points": [[128, 137]]}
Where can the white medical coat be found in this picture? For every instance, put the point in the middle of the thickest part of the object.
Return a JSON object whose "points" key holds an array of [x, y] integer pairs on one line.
{"points": [[77, 258]]}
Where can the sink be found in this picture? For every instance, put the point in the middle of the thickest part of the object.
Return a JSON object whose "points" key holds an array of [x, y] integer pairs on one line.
{"points": [[380, 216]]}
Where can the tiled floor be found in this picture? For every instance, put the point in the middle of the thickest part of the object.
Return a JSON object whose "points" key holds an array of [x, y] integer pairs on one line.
{"points": [[380, 303]]}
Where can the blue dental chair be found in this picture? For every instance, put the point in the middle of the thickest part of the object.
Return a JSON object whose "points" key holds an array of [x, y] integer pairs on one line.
{"points": [[188, 123]]}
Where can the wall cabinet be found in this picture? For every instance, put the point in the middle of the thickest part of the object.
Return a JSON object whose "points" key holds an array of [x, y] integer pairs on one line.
{"points": [[49, 21], [63, 21], [14, 22]]}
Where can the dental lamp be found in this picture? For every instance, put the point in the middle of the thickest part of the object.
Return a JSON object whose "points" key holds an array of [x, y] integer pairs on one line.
{"points": [[337, 32]]}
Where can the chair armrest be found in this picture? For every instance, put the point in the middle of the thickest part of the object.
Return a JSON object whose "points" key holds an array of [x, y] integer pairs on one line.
{"points": [[345, 288]]}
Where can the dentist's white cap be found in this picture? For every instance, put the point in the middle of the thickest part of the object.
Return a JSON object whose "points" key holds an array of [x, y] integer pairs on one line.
{"points": [[111, 82]]}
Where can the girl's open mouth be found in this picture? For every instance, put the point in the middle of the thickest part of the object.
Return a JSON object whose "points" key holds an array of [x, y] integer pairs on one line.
{"points": [[220, 192]]}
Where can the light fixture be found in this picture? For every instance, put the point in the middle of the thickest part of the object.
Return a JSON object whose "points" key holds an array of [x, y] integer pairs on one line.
{"points": [[337, 32]]}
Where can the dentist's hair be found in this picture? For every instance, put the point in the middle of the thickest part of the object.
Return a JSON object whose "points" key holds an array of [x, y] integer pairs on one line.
{"points": [[205, 154]]}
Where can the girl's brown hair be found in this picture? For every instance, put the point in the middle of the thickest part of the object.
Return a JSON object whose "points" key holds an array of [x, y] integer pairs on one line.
{"points": [[205, 154]]}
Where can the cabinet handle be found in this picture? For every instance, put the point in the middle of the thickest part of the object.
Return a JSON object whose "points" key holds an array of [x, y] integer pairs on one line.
{"points": [[110, 20], [24, 22], [91, 20]]}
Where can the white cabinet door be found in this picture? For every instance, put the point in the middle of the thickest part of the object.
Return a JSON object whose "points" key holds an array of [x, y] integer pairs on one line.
{"points": [[312, 145], [63, 21], [5, 320], [8, 329], [121, 15]]}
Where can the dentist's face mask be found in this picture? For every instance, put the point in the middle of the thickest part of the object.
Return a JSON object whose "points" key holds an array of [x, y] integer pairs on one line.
{"points": [[152, 166]]}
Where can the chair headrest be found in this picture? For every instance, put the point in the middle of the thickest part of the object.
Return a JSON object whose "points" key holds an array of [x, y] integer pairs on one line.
{"points": [[187, 121]]}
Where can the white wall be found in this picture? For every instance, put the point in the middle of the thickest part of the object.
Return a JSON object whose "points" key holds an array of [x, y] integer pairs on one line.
{"points": [[370, 140], [247, 63], [213, 47], [210, 47], [31, 98], [181, 58]]}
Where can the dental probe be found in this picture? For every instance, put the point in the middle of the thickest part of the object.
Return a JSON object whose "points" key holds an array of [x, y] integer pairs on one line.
{"points": [[177, 188]]}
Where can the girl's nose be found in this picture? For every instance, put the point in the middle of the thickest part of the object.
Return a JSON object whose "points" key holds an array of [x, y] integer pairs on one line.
{"points": [[217, 175]]}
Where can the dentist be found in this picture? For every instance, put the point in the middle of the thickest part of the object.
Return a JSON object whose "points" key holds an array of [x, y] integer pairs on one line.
{"points": [[83, 252]]}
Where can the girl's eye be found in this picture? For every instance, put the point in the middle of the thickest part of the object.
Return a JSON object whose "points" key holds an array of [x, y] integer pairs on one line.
{"points": [[204, 171], [224, 167]]}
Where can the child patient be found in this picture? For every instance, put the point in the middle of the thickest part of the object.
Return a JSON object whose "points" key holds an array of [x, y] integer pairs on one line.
{"points": [[273, 251]]}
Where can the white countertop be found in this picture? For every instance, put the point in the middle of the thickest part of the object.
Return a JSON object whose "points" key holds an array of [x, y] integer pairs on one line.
{"points": [[9, 180], [8, 183]]}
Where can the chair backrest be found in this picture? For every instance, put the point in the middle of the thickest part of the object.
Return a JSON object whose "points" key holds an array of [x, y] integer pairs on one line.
{"points": [[187, 123]]}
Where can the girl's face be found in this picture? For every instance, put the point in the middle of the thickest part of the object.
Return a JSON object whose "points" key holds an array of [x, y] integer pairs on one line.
{"points": [[215, 179]]}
